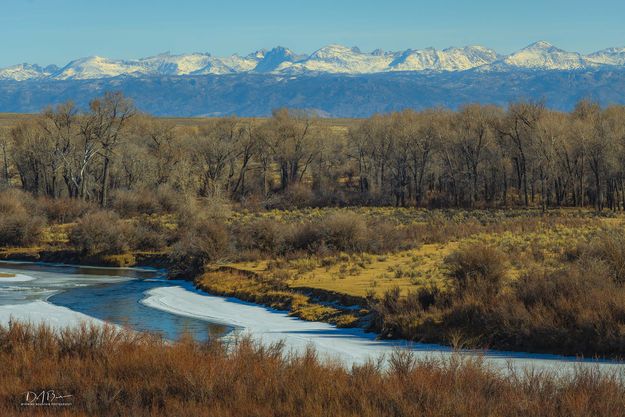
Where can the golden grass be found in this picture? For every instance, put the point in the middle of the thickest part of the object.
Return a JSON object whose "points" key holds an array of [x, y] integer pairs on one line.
{"points": [[8, 253], [10, 120], [574, 306], [4, 275], [121, 260], [529, 240], [56, 234], [365, 274], [320, 283], [361, 275]]}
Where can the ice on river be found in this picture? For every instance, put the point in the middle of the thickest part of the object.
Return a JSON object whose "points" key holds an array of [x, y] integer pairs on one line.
{"points": [[41, 312], [23, 296], [16, 278], [350, 346]]}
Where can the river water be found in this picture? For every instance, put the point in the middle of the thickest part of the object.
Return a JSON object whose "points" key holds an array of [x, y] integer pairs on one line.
{"points": [[108, 294]]}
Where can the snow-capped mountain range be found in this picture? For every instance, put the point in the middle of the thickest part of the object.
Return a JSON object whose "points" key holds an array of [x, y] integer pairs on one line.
{"points": [[333, 59]]}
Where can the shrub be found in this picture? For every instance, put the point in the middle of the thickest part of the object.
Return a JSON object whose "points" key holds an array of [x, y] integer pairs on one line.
{"points": [[609, 247], [578, 309], [307, 236], [164, 199], [266, 235], [198, 243], [345, 231], [20, 229], [13, 200], [149, 234], [170, 199], [123, 373], [128, 203], [383, 236], [477, 267], [64, 210], [296, 195], [20, 224], [100, 232], [190, 211]]}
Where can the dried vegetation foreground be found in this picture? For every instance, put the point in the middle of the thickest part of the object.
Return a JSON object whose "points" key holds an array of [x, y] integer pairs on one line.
{"points": [[113, 373]]}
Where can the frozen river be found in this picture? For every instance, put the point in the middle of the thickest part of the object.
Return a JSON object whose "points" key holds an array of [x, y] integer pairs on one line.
{"points": [[62, 294], [142, 299]]}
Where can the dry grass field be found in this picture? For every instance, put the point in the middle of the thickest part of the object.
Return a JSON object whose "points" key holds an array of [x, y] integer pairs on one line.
{"points": [[106, 372], [510, 280], [9, 120], [527, 246]]}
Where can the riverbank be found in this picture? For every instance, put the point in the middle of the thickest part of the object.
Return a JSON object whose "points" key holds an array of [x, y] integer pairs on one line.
{"points": [[310, 305], [75, 257]]}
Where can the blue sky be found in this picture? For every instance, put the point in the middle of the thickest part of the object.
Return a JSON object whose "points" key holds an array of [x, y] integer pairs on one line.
{"points": [[55, 31]]}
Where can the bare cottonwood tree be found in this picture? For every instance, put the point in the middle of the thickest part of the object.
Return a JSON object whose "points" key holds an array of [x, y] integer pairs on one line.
{"points": [[105, 125]]}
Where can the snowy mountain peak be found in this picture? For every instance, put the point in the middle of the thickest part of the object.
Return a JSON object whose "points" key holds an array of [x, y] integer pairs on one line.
{"points": [[332, 58], [341, 59], [95, 67], [258, 54], [273, 59], [544, 56], [23, 72], [539, 45], [169, 64], [331, 51], [609, 56], [450, 59]]}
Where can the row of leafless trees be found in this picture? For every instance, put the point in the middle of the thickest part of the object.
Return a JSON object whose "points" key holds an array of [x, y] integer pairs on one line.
{"points": [[481, 154], [477, 156]]}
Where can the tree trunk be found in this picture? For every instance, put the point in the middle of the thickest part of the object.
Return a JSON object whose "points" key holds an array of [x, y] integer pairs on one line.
{"points": [[105, 182]]}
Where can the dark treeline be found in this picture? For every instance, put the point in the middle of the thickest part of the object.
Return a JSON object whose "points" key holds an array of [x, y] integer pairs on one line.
{"points": [[479, 156]]}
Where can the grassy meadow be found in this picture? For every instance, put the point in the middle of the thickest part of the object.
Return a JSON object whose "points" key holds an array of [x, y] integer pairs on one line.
{"points": [[529, 240]]}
